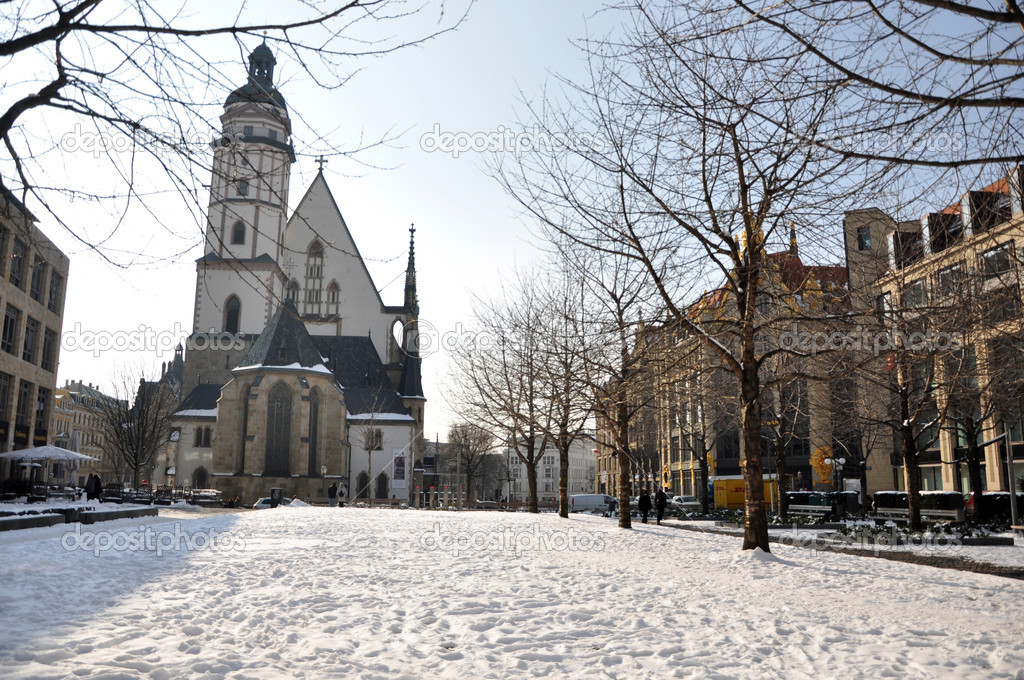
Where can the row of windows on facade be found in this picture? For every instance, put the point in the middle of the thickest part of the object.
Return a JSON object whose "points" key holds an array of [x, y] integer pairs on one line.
{"points": [[955, 279], [29, 348], [40, 276], [29, 398]]}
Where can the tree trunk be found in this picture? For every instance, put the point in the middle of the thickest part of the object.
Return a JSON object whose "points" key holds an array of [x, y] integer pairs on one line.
{"points": [[531, 480], [755, 528], [912, 479], [563, 479], [782, 477], [974, 475], [625, 481]]}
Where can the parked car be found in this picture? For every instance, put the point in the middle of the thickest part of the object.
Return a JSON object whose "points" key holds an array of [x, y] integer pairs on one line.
{"points": [[687, 503], [264, 503]]}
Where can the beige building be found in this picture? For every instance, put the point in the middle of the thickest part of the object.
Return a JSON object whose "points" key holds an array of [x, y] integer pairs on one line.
{"points": [[33, 279], [954, 276]]}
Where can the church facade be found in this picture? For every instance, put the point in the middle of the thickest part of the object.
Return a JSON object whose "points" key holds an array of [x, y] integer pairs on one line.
{"points": [[296, 375]]}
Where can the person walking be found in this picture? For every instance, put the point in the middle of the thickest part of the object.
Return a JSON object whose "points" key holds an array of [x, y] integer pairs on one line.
{"points": [[90, 487], [660, 501], [644, 505], [332, 494], [97, 489]]}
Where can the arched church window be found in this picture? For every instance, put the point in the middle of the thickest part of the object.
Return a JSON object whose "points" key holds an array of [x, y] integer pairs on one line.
{"points": [[363, 485], [238, 233], [314, 425], [199, 438], [382, 485], [232, 312], [206, 437], [333, 298], [293, 292], [279, 431], [245, 428], [314, 277]]}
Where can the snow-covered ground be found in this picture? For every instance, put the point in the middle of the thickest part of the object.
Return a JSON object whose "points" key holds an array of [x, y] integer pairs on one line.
{"points": [[353, 593]]}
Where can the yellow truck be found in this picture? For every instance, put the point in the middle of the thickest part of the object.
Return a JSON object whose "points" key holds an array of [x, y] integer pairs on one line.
{"points": [[729, 492]]}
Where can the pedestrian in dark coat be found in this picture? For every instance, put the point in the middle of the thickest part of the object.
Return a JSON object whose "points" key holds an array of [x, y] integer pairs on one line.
{"points": [[660, 501], [332, 493], [97, 488], [90, 487], [644, 505]]}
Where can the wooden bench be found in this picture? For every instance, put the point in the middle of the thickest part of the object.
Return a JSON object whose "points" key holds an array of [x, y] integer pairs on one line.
{"points": [[816, 510], [903, 514], [1018, 529]]}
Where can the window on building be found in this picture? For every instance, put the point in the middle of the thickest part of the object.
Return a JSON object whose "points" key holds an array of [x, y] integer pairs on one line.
{"points": [[374, 440], [243, 187], [247, 130], [314, 432], [915, 295], [35, 288], [56, 292], [28, 352], [238, 233], [206, 437], [5, 400], [883, 307], [198, 442], [18, 255], [42, 408], [279, 431], [314, 277], [232, 311], [950, 281], [3, 249], [272, 134], [23, 411], [863, 238], [293, 292], [548, 473], [9, 339], [996, 262]]}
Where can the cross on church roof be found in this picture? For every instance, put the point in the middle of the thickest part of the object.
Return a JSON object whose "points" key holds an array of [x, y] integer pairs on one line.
{"points": [[321, 160]]}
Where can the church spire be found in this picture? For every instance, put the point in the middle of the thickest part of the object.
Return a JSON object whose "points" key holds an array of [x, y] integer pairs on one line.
{"points": [[411, 303]]}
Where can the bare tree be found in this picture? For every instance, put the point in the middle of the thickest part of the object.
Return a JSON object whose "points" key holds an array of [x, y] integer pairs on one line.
{"points": [[935, 83], [498, 380], [137, 422], [472, 445], [132, 82], [691, 181]]}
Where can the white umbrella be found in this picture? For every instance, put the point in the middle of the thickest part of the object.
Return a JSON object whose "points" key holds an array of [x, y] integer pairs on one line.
{"points": [[45, 453]]}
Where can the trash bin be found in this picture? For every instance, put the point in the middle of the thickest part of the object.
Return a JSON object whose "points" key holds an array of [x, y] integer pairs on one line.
{"points": [[275, 497]]}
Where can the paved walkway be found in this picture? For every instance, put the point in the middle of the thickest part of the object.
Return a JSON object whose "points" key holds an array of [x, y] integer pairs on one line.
{"points": [[939, 561]]}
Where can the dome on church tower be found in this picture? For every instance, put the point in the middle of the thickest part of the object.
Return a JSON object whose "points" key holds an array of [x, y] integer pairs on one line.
{"points": [[260, 88]]}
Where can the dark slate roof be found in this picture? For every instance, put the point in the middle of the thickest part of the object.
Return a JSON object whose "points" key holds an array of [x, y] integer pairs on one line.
{"points": [[203, 397], [411, 385], [284, 341], [353, 360], [259, 259], [369, 400]]}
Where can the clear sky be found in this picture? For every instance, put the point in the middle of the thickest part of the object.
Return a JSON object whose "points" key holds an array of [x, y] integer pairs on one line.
{"points": [[468, 231]]}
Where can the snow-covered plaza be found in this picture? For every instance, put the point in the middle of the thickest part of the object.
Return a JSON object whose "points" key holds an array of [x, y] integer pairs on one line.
{"points": [[355, 593]]}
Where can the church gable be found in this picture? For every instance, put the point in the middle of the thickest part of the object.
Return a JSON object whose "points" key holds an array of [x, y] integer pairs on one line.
{"points": [[317, 235]]}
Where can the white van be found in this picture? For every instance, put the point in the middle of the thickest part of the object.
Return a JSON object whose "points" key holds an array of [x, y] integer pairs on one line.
{"points": [[591, 502]]}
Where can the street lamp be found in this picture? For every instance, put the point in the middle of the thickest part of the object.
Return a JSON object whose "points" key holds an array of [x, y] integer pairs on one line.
{"points": [[837, 473]]}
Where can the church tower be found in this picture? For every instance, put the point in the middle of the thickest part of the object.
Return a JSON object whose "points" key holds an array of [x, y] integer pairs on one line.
{"points": [[239, 283]]}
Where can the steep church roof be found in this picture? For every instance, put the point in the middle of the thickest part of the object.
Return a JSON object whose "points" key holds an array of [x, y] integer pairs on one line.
{"points": [[284, 342], [364, 380], [201, 401], [411, 384]]}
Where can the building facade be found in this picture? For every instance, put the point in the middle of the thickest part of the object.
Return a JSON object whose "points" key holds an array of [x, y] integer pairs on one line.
{"points": [[33, 282]]}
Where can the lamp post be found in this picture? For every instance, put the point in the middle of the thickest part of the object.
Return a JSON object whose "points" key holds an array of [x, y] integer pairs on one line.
{"points": [[837, 475]]}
